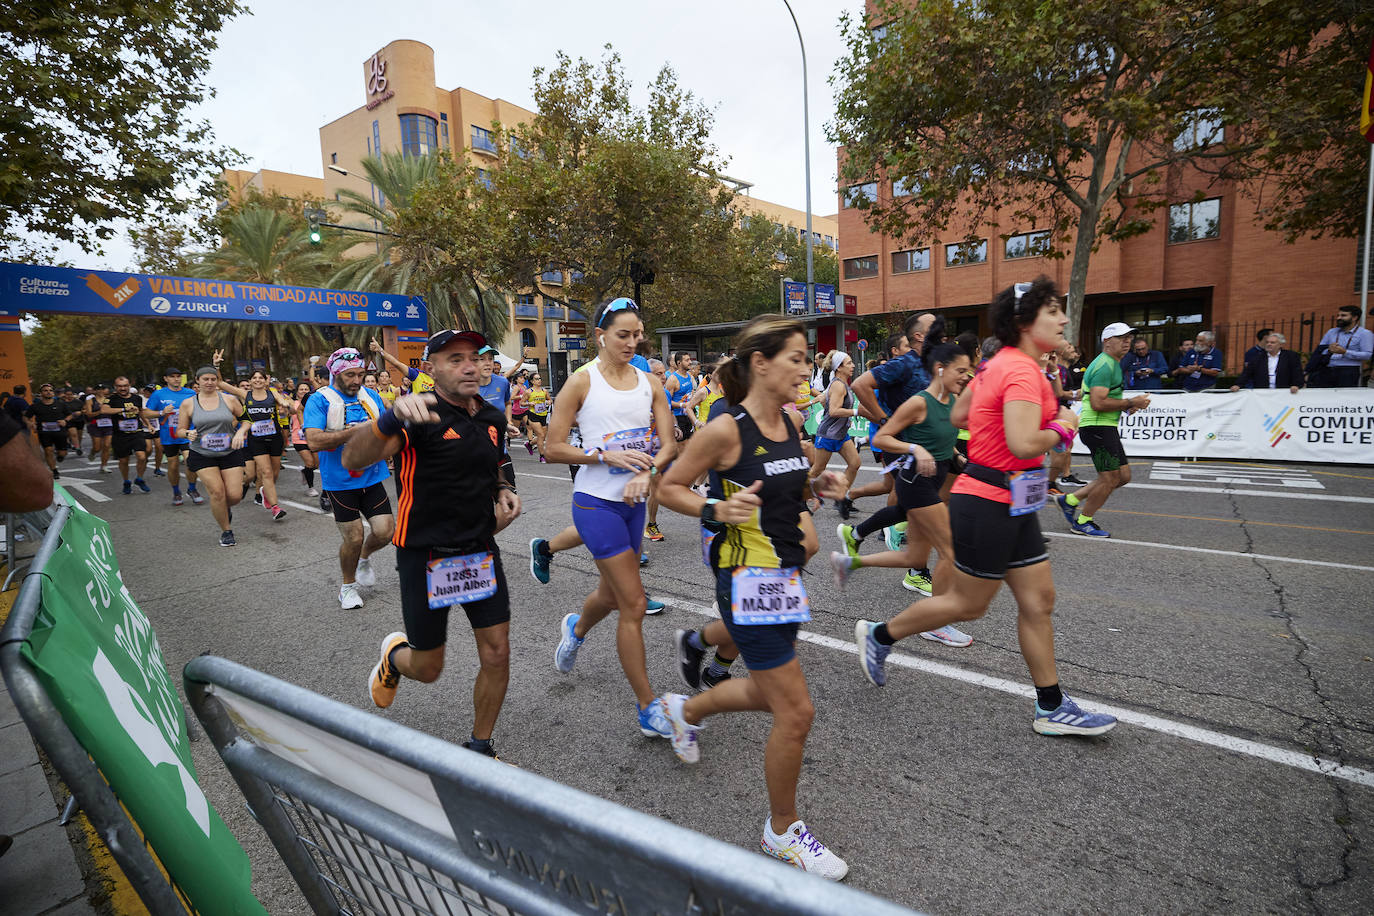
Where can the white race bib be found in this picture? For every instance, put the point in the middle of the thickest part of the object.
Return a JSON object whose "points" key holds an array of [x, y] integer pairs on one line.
{"points": [[459, 580], [761, 596], [215, 442], [263, 427], [127, 426], [641, 439], [103, 422], [1028, 490], [51, 426], [154, 425]]}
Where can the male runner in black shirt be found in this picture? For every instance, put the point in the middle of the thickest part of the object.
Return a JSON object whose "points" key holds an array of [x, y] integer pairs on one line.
{"points": [[49, 417], [454, 492], [130, 434]]}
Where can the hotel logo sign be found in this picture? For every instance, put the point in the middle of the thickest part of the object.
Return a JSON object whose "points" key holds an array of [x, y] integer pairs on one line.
{"points": [[377, 92]]}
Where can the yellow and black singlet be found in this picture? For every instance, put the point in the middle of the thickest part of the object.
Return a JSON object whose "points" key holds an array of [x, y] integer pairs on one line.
{"points": [[772, 537]]}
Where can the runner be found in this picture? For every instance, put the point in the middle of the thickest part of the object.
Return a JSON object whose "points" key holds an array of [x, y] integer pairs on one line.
{"points": [[166, 403], [152, 426], [921, 428], [101, 426], [329, 418], [308, 460], [47, 418], [832, 432], [74, 405], [388, 391], [1102, 407], [216, 430], [126, 408], [419, 379], [765, 537], [265, 440], [518, 389], [624, 417], [538, 402], [453, 499], [1010, 410], [679, 387], [895, 535]]}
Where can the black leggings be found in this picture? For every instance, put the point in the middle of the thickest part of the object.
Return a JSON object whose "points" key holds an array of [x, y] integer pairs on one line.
{"points": [[885, 517]]}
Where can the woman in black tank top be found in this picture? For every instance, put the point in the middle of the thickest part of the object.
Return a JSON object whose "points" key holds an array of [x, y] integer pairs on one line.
{"points": [[765, 536], [265, 439]]}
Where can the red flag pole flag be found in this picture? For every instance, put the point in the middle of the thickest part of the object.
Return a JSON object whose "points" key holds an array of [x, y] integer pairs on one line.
{"points": [[1367, 109]]}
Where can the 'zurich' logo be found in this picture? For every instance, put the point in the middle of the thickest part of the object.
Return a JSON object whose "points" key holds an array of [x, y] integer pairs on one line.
{"points": [[160, 305]]}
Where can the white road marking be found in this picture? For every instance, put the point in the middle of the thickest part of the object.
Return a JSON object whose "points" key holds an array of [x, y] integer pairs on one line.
{"points": [[84, 486], [1291, 478], [1229, 490], [302, 506], [1296, 759], [1212, 550]]}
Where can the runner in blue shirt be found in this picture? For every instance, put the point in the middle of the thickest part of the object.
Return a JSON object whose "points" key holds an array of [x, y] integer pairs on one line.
{"points": [[166, 402]]}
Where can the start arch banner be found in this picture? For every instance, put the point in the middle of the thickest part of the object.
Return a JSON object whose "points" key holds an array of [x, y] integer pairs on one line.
{"points": [[1316, 424]]}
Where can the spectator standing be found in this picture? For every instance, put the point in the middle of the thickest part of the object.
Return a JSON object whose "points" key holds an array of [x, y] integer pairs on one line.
{"points": [[1279, 367], [1350, 347], [16, 405], [1184, 355], [1199, 370], [1258, 350], [1144, 369]]}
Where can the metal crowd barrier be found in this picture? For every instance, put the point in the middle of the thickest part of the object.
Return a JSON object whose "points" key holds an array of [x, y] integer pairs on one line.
{"points": [[45, 723], [374, 817]]}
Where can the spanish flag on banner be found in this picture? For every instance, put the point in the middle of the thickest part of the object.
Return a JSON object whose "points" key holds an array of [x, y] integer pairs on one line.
{"points": [[1367, 109]]}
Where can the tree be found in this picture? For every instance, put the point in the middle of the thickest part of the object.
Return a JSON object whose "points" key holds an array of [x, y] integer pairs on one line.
{"points": [[1084, 117], [84, 349], [95, 116]]}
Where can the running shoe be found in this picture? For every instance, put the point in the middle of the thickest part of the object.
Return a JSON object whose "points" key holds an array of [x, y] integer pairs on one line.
{"points": [[917, 581], [326, 504], [1091, 528], [56, 474], [488, 751], [128, 488], [1053, 490], [312, 491], [652, 607], [846, 507], [684, 733], [949, 635], [565, 656], [653, 720], [105, 470], [688, 659], [652, 533], [895, 536], [643, 559], [800, 849], [258, 498], [848, 539], [529, 446], [540, 560], [78, 453], [159, 472], [872, 654], [1070, 512], [1071, 719], [196, 498], [841, 565], [226, 539], [543, 460], [384, 679], [1073, 480], [365, 575], [349, 598], [138, 482], [176, 499], [278, 513], [709, 680]]}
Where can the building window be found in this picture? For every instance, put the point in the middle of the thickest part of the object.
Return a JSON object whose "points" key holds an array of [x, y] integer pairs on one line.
{"points": [[481, 140], [552, 276], [527, 338], [905, 187], [518, 148], [419, 135], [879, 32], [963, 253], [904, 262], [333, 158], [860, 195], [830, 243], [484, 178], [1028, 245], [860, 268], [577, 310], [525, 307], [1201, 129], [376, 149], [1193, 221]]}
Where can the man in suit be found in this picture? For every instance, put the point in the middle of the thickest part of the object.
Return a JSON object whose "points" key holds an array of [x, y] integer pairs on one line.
{"points": [[1279, 367]]}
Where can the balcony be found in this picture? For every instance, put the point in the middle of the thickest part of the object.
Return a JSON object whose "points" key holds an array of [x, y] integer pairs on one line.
{"points": [[526, 311], [575, 315], [555, 312], [552, 277], [483, 143]]}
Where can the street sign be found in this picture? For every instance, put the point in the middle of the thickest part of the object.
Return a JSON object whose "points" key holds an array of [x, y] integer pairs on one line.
{"points": [[863, 344], [573, 328], [825, 298], [572, 343], [794, 295]]}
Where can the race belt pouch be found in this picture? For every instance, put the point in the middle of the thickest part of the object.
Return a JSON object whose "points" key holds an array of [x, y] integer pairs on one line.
{"points": [[1028, 488]]}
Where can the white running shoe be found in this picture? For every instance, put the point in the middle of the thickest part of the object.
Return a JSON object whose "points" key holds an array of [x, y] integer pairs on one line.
{"points": [[313, 491], [799, 848], [949, 635], [684, 733], [349, 598], [365, 575]]}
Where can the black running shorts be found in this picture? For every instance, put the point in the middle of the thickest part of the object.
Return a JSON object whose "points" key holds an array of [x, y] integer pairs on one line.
{"points": [[53, 439], [915, 491], [426, 627], [989, 540], [350, 505], [265, 445], [125, 445], [229, 461], [1104, 444]]}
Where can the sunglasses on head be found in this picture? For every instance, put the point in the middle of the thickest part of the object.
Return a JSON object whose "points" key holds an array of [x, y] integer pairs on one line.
{"points": [[618, 305]]}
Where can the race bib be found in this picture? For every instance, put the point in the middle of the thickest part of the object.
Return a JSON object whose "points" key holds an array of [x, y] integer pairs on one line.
{"points": [[127, 426], [761, 596], [263, 428], [642, 439], [1028, 489], [154, 425], [215, 442], [50, 426], [103, 421], [297, 435], [459, 580]]}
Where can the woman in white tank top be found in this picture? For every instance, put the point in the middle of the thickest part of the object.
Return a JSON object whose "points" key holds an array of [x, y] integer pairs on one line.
{"points": [[627, 437]]}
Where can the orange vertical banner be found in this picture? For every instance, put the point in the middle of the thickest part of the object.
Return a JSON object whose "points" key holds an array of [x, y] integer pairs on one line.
{"points": [[13, 369]]}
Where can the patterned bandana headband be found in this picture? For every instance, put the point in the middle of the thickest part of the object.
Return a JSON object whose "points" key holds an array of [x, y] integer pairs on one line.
{"points": [[343, 359]]}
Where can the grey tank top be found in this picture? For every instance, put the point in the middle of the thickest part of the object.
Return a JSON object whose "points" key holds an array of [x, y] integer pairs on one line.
{"points": [[834, 427], [217, 427]]}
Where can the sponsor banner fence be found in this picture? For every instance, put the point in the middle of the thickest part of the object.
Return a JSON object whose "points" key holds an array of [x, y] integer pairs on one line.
{"points": [[102, 675], [1333, 425]]}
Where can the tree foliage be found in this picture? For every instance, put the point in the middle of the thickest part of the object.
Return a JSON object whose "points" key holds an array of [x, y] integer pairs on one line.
{"points": [[94, 120], [1023, 114], [84, 349]]}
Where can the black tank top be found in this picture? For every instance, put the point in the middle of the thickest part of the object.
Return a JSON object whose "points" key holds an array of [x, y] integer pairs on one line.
{"points": [[772, 538], [258, 411]]}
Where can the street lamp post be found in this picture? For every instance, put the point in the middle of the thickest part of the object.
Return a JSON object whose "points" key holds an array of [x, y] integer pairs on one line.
{"points": [[806, 128]]}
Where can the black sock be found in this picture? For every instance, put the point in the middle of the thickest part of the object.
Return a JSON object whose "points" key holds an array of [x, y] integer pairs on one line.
{"points": [[1049, 698], [543, 548], [482, 745], [883, 518], [309, 475], [882, 636]]}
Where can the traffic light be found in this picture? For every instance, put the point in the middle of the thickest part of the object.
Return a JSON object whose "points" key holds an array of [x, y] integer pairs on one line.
{"points": [[314, 216]]}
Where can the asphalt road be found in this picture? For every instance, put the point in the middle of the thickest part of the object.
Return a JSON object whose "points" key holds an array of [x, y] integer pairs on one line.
{"points": [[1230, 616]]}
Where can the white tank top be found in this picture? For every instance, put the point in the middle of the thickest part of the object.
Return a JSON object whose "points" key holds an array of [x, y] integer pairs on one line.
{"points": [[614, 420]]}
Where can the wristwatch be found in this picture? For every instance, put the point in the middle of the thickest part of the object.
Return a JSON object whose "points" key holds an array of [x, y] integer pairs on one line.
{"points": [[708, 510]]}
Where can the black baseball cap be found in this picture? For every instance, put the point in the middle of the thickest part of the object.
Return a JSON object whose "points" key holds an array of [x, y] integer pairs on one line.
{"points": [[171, 370], [442, 339]]}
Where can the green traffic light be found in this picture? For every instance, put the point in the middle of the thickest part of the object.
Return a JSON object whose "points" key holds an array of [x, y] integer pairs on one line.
{"points": [[314, 236]]}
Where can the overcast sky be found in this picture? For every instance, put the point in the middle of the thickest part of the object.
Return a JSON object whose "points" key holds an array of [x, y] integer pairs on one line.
{"points": [[289, 67]]}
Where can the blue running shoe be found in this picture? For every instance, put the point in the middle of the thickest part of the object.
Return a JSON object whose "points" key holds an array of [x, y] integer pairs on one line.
{"points": [[643, 559], [565, 656], [128, 488], [539, 560], [159, 472], [654, 722], [1070, 512], [872, 654], [138, 482], [652, 607], [1070, 719], [1091, 528]]}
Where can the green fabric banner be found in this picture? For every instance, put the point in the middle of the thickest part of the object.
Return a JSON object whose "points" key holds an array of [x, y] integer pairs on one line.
{"points": [[98, 658]]}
